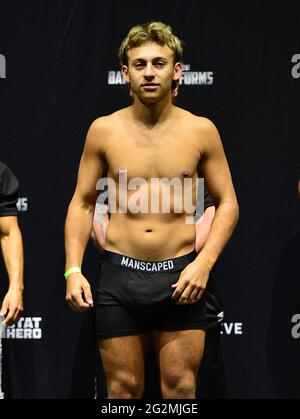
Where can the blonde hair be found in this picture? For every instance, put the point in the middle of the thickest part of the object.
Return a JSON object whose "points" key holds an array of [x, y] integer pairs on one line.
{"points": [[151, 32]]}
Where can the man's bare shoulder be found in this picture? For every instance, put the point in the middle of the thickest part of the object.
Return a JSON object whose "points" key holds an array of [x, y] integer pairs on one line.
{"points": [[101, 130], [199, 123], [104, 124], [204, 128], [194, 121], [201, 130]]}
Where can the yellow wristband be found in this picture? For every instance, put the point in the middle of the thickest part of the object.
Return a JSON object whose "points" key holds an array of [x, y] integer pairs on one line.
{"points": [[71, 271], [206, 263]]}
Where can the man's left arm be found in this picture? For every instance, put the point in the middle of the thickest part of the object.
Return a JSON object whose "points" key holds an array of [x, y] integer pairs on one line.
{"points": [[214, 166], [12, 249], [219, 184]]}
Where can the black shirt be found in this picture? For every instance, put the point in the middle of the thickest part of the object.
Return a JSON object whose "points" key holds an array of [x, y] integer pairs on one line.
{"points": [[9, 187]]}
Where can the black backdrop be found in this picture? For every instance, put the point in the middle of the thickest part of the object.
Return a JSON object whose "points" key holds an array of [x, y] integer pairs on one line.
{"points": [[238, 58]]}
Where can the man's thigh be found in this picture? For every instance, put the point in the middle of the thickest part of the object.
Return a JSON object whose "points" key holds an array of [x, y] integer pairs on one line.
{"points": [[179, 352], [125, 354]]}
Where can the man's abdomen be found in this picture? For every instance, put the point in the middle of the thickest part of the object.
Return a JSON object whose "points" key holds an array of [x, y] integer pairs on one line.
{"points": [[151, 236]]}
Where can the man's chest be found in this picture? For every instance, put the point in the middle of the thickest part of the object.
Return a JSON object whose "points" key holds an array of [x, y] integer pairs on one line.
{"points": [[161, 157]]}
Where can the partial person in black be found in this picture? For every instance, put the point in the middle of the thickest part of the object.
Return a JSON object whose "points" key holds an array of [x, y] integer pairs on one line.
{"points": [[11, 245], [12, 249]]}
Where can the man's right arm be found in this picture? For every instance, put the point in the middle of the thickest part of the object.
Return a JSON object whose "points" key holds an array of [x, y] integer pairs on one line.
{"points": [[12, 249], [11, 245], [79, 219]]}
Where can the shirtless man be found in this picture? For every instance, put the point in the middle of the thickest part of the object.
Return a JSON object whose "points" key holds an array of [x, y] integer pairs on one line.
{"points": [[153, 284]]}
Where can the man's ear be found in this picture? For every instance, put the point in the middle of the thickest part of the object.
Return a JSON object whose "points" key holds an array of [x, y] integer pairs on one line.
{"points": [[124, 70], [177, 71]]}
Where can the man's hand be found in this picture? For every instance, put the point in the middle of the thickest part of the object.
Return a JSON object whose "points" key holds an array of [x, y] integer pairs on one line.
{"points": [[12, 306], [191, 283], [79, 295]]}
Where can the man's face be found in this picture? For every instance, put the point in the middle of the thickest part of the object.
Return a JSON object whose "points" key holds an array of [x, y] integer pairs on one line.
{"points": [[150, 71]]}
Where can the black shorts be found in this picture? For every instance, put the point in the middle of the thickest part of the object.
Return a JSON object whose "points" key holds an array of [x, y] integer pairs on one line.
{"points": [[135, 296]]}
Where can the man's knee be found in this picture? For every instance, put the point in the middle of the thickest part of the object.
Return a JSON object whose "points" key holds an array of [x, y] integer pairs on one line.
{"points": [[125, 386], [178, 385]]}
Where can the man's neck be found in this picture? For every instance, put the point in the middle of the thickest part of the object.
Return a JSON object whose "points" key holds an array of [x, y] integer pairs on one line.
{"points": [[151, 114]]}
